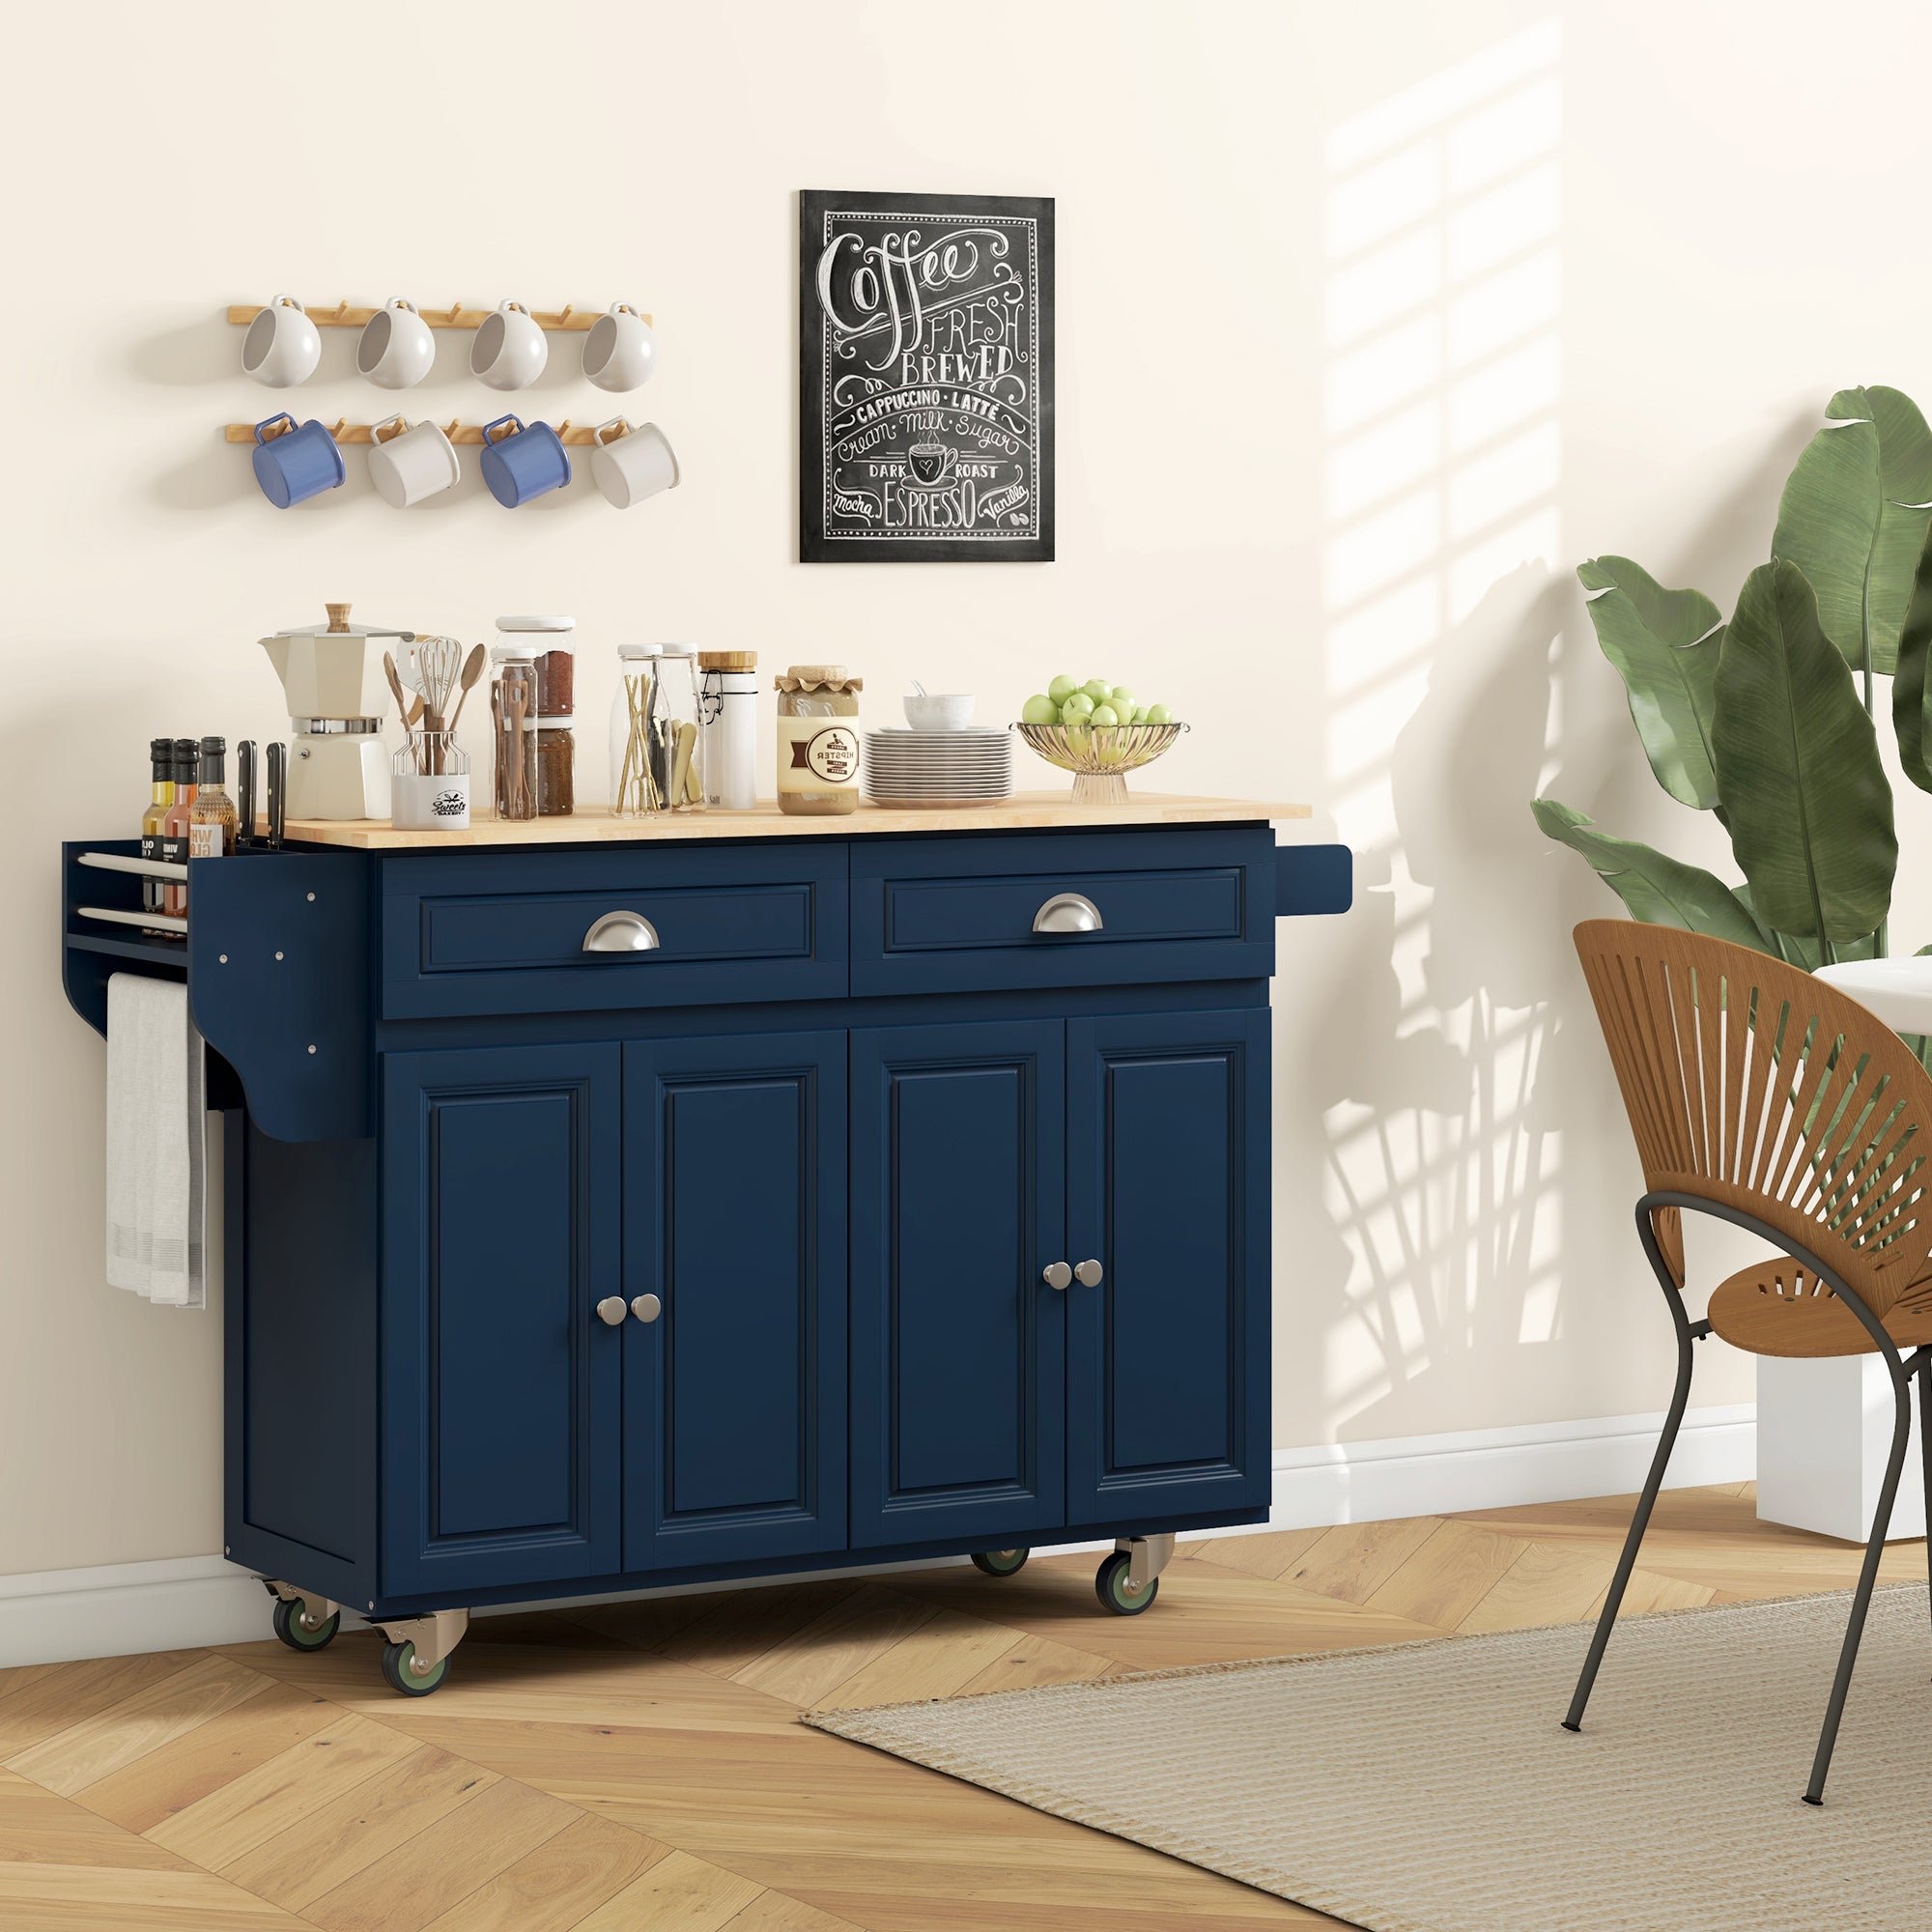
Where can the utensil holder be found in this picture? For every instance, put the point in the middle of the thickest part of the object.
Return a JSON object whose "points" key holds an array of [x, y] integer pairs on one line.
{"points": [[428, 784]]}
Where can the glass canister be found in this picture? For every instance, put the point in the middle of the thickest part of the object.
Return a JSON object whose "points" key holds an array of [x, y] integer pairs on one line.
{"points": [[653, 737], [819, 751], [728, 717], [512, 717], [557, 765], [551, 643]]}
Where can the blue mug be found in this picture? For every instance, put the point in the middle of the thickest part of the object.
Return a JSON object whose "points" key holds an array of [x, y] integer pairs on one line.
{"points": [[294, 463], [527, 460]]}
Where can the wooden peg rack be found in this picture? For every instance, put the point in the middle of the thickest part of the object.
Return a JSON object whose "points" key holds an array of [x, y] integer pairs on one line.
{"points": [[571, 318], [344, 431]]}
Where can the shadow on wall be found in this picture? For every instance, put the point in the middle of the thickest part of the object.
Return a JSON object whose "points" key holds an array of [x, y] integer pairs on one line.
{"points": [[1446, 594]]}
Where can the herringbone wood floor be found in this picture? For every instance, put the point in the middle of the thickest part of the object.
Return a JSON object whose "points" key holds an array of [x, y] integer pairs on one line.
{"points": [[638, 1766]]}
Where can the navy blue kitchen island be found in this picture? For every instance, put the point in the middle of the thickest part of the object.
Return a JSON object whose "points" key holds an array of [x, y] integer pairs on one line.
{"points": [[611, 1206]]}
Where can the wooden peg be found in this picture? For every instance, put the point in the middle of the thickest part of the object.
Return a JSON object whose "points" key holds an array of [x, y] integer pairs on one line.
{"points": [[455, 309], [562, 428], [341, 423], [455, 424], [565, 315], [342, 308]]}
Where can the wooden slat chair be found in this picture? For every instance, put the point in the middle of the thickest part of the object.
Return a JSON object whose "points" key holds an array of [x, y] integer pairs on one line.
{"points": [[1768, 1099]]}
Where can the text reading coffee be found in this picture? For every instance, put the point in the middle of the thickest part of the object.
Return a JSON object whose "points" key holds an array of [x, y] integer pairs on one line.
{"points": [[927, 348]]}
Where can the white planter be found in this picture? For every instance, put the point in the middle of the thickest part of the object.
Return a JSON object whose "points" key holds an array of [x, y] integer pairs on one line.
{"points": [[1824, 1431]]}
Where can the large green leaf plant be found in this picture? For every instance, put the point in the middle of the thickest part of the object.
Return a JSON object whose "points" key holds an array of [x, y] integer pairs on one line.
{"points": [[1766, 722]]}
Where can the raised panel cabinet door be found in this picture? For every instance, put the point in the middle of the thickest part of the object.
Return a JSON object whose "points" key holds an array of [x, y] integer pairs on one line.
{"points": [[958, 1182], [1167, 1189], [500, 1205], [734, 1370]]}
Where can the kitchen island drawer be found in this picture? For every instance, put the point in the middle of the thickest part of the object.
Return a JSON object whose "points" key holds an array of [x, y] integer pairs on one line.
{"points": [[475, 933], [974, 915]]}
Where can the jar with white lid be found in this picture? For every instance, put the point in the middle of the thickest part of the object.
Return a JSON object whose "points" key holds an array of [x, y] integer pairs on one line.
{"points": [[655, 755], [552, 645]]}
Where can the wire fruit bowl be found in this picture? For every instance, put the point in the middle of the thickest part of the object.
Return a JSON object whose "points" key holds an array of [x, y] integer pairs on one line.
{"points": [[1099, 755]]}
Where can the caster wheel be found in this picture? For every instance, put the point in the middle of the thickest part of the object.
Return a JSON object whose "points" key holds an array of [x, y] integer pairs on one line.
{"points": [[1000, 1562], [398, 1669], [293, 1627], [1110, 1586]]}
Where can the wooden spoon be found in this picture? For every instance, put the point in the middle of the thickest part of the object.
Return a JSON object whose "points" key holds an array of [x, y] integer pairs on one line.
{"points": [[396, 687], [472, 669]]}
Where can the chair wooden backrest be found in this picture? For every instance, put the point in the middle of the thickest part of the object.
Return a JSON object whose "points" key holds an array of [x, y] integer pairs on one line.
{"points": [[1752, 1084]]}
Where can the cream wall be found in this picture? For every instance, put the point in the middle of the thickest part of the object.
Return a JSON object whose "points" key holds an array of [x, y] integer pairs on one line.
{"points": [[1371, 322]]}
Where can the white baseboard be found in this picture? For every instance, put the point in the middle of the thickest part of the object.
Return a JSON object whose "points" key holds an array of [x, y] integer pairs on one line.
{"points": [[122, 1608], [1492, 1468]]}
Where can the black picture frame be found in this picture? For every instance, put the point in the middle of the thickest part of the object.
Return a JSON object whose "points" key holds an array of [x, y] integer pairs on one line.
{"points": [[926, 387]]}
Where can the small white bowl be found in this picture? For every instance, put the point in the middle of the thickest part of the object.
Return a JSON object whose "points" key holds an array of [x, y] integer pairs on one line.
{"points": [[933, 713]]}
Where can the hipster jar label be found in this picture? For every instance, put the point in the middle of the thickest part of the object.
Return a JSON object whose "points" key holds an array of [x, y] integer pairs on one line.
{"points": [[816, 754]]}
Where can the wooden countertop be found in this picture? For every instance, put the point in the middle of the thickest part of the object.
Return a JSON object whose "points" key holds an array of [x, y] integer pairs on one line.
{"points": [[594, 826]]}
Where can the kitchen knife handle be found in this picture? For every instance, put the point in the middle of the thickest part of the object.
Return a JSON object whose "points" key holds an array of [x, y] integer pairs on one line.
{"points": [[244, 789], [277, 769]]}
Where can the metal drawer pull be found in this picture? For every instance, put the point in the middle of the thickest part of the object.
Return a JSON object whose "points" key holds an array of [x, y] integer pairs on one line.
{"points": [[1056, 1275], [611, 1308], [621, 933], [1069, 912], [1087, 1273], [646, 1307]]}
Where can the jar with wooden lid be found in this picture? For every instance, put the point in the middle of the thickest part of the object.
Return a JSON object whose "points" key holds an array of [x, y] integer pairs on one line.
{"points": [[818, 748]]}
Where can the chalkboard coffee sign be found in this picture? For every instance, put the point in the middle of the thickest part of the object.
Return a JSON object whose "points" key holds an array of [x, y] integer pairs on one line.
{"points": [[926, 379]]}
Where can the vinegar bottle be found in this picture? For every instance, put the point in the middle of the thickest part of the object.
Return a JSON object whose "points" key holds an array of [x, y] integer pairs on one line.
{"points": [[175, 825], [160, 795]]}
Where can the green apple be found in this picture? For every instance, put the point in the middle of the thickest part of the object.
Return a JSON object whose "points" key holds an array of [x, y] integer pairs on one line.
{"points": [[1063, 688], [1122, 699], [1039, 710], [1140, 714], [1097, 688], [1074, 709], [1103, 715], [1158, 714]]}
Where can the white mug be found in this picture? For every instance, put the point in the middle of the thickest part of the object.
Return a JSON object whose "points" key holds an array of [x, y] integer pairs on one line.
{"points": [[282, 346], [510, 350], [620, 351], [396, 348], [410, 463], [630, 464]]}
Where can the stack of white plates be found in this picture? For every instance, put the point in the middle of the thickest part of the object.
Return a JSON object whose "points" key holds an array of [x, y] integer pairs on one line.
{"points": [[969, 767]]}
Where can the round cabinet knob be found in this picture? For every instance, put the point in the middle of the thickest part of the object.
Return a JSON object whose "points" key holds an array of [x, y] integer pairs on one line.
{"points": [[1056, 1275], [1089, 1274], [646, 1307], [621, 933], [611, 1309], [1069, 912]]}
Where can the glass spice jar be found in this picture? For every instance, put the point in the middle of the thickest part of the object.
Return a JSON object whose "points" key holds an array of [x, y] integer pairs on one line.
{"points": [[818, 754], [551, 643], [513, 715], [557, 767]]}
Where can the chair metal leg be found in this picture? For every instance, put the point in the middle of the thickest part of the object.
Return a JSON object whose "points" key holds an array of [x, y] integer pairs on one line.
{"points": [[1855, 1628], [1639, 1522]]}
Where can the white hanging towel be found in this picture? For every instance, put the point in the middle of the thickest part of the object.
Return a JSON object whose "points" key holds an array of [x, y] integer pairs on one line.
{"points": [[156, 1142]]}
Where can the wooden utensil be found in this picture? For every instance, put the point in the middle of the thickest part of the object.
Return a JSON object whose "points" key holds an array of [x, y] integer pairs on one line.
{"points": [[472, 669], [396, 688]]}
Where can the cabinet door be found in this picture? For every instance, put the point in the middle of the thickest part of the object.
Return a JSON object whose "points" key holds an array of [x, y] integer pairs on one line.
{"points": [[958, 1346], [1167, 1176], [734, 1218], [499, 1385]]}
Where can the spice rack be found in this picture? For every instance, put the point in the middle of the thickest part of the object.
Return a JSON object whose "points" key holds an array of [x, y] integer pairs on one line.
{"points": [[457, 430], [274, 954], [569, 319]]}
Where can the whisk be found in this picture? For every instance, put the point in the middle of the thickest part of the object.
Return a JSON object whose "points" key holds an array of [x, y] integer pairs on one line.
{"points": [[436, 669]]}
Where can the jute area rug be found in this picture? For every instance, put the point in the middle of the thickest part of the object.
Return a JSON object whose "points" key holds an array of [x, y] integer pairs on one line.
{"points": [[1426, 1787]]}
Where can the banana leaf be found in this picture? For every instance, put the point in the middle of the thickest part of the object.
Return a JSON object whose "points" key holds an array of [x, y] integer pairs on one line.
{"points": [[1658, 889], [1664, 645], [1854, 519], [1910, 717], [1798, 768]]}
